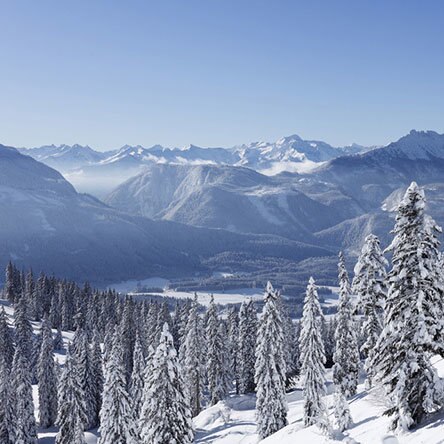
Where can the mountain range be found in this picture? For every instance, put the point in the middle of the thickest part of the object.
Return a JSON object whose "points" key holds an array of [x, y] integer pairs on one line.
{"points": [[99, 172], [197, 210], [335, 204]]}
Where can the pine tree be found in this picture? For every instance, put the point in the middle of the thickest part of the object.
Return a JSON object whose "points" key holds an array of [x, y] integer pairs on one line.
{"points": [[194, 372], [233, 347], [128, 336], [215, 356], [247, 346], [342, 412], [47, 379], [23, 329], [25, 429], [291, 348], [117, 422], [137, 378], [166, 416], [66, 296], [12, 290], [6, 340], [55, 311], [30, 295], [37, 340], [296, 350], [313, 360], [346, 355], [7, 422], [58, 340], [85, 374], [328, 332], [270, 371], [96, 363], [70, 415], [182, 327], [370, 288], [413, 317]]}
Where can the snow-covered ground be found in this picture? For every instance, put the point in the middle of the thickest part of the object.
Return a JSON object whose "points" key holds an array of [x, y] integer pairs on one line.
{"points": [[131, 285], [233, 422], [234, 296], [226, 297]]}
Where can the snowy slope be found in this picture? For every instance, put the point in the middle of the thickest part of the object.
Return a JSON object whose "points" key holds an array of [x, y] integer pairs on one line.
{"points": [[233, 421], [235, 198]]}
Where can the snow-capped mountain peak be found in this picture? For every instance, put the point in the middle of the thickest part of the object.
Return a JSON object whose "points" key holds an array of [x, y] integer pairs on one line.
{"points": [[419, 145]]}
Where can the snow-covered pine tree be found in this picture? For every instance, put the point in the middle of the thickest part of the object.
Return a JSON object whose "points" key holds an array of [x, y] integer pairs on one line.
{"points": [[412, 317], [166, 416], [70, 417], [137, 378], [226, 379], [296, 351], [182, 327], [11, 291], [58, 340], [25, 429], [23, 329], [328, 331], [29, 294], [163, 315], [85, 373], [312, 360], [128, 336], [151, 324], [54, 311], [247, 346], [66, 307], [37, 340], [6, 340], [43, 296], [7, 425], [270, 371], [47, 379], [193, 367], [215, 357], [346, 355], [370, 287], [342, 411], [117, 421], [290, 344], [96, 363], [233, 347]]}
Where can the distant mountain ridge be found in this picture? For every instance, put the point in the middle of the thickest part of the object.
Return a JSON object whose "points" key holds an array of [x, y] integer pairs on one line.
{"points": [[332, 205], [336, 204], [98, 173], [233, 198]]}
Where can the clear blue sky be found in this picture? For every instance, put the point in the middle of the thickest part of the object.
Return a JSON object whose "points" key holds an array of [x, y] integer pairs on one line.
{"points": [[218, 73]]}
